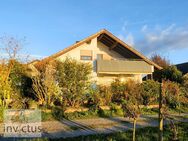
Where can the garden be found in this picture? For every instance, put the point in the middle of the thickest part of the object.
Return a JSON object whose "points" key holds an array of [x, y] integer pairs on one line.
{"points": [[63, 89]]}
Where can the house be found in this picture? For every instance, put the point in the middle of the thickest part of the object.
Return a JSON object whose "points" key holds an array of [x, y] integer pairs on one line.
{"points": [[183, 67], [110, 57]]}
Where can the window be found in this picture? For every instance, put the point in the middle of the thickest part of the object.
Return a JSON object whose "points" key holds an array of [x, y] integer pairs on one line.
{"points": [[86, 57]]}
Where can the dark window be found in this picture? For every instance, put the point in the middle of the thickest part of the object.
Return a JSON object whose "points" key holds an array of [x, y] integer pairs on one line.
{"points": [[86, 57]]}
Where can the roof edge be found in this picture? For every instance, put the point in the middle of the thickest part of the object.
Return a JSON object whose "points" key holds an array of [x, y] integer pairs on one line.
{"points": [[65, 50]]}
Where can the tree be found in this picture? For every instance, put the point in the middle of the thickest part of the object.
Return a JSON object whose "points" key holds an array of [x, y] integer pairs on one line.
{"points": [[5, 93], [74, 79], [9, 51], [161, 61], [45, 86], [172, 73], [169, 73], [168, 98], [131, 104]]}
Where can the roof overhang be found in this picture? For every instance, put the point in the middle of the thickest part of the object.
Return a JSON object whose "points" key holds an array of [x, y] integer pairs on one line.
{"points": [[111, 41]]}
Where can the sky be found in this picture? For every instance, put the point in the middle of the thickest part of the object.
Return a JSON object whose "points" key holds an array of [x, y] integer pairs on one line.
{"points": [[48, 26]]}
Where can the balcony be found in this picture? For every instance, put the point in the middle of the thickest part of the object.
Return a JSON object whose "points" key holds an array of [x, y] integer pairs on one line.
{"points": [[123, 67]]}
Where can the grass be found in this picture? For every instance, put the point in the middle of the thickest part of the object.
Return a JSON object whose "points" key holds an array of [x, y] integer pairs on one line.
{"points": [[147, 111], [142, 134], [49, 116]]}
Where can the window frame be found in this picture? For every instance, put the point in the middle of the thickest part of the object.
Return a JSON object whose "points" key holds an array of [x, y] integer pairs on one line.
{"points": [[83, 57]]}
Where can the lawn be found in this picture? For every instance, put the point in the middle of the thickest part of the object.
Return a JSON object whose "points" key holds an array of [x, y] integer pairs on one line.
{"points": [[142, 134]]}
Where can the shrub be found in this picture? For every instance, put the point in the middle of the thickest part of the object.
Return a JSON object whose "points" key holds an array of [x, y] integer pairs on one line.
{"points": [[133, 90], [5, 93], [45, 87], [18, 76], [170, 73], [81, 115], [116, 110], [130, 104], [184, 90], [118, 90], [105, 95], [99, 96], [1, 114], [185, 80], [171, 93], [73, 77], [132, 100], [58, 112], [47, 116], [173, 74], [150, 91]]}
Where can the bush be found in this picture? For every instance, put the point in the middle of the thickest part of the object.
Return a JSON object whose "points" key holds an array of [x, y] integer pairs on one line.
{"points": [[133, 91], [105, 95], [47, 116], [81, 115], [116, 110], [5, 93], [185, 80], [104, 113], [118, 90], [171, 93], [150, 91], [125, 90], [18, 77], [45, 87], [73, 77], [185, 86], [58, 112], [169, 73], [99, 96], [1, 114]]}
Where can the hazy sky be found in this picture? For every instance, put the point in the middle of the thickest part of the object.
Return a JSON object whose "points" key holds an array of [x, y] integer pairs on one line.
{"points": [[150, 26]]}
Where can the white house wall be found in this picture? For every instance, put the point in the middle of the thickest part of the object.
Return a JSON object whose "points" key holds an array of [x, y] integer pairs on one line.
{"points": [[99, 48]]}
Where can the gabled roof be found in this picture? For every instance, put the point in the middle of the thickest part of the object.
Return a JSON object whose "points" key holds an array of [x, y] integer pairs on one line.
{"points": [[113, 40]]}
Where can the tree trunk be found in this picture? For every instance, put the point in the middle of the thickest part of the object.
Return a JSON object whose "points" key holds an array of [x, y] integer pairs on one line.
{"points": [[160, 129], [160, 116], [134, 129]]}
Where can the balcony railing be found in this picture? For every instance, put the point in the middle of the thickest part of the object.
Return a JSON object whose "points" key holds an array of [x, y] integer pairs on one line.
{"points": [[124, 67]]}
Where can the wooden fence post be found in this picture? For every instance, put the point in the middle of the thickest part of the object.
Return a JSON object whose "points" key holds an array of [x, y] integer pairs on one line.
{"points": [[160, 114]]}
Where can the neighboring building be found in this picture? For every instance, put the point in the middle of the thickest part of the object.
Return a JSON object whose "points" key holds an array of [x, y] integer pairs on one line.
{"points": [[183, 67], [110, 57]]}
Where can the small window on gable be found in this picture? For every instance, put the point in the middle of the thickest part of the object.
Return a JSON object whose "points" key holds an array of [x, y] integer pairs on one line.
{"points": [[85, 55]]}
